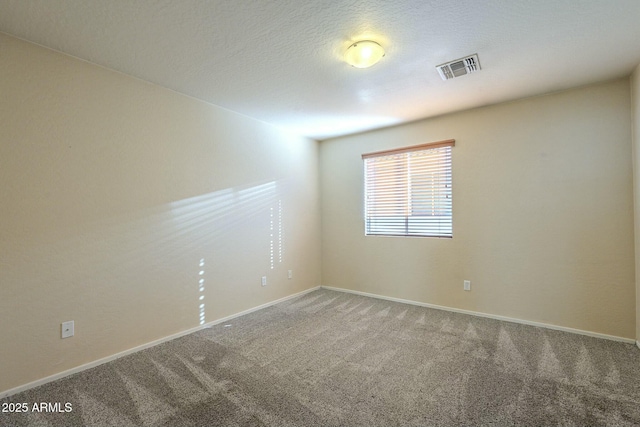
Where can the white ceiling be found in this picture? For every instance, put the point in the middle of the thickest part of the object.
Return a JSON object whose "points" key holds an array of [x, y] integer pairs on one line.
{"points": [[280, 61]]}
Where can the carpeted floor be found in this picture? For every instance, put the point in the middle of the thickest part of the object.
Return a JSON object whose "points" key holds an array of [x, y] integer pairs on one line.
{"points": [[329, 358]]}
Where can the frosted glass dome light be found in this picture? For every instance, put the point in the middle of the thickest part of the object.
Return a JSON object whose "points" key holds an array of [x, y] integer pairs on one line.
{"points": [[364, 54]]}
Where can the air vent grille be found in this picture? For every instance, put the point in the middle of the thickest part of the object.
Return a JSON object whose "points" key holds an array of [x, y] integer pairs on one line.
{"points": [[459, 67]]}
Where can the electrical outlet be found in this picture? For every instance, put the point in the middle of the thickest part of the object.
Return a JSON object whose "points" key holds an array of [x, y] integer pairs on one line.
{"points": [[67, 329], [290, 274], [467, 285], [264, 280]]}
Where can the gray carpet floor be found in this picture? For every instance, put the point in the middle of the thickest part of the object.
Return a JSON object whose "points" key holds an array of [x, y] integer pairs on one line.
{"points": [[334, 359]]}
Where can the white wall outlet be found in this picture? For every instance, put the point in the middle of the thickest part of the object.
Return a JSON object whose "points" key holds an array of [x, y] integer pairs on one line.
{"points": [[290, 274], [467, 285], [264, 280], [67, 329]]}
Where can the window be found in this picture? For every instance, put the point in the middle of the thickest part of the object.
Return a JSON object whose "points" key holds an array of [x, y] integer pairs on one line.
{"points": [[408, 191]]}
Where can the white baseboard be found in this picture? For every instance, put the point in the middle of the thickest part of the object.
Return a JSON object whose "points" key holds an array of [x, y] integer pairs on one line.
{"points": [[638, 344], [98, 362], [490, 316]]}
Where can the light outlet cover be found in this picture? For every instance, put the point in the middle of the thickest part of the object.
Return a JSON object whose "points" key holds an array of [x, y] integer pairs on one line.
{"points": [[67, 329], [467, 285]]}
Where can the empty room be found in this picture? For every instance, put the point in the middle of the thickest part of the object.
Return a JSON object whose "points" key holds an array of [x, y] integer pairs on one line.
{"points": [[340, 213]]}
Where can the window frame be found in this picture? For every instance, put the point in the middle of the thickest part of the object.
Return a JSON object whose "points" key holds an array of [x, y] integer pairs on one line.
{"points": [[434, 175]]}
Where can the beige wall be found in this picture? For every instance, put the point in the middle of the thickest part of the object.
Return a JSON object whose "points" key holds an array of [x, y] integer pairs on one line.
{"points": [[635, 118], [112, 190], [542, 206]]}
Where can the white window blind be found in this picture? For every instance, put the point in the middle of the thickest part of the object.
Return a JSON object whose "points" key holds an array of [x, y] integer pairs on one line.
{"points": [[408, 191]]}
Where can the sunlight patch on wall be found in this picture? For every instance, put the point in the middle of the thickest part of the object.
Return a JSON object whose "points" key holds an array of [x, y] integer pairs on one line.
{"points": [[201, 292], [271, 237], [171, 240], [203, 220], [280, 241], [275, 223]]}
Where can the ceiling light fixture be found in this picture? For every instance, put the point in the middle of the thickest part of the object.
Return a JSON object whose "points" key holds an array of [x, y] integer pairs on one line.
{"points": [[363, 54]]}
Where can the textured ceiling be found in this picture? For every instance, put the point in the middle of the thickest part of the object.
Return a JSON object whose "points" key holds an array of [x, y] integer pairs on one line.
{"points": [[280, 61]]}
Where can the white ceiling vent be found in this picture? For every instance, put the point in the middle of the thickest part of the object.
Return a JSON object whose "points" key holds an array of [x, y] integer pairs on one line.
{"points": [[459, 67]]}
